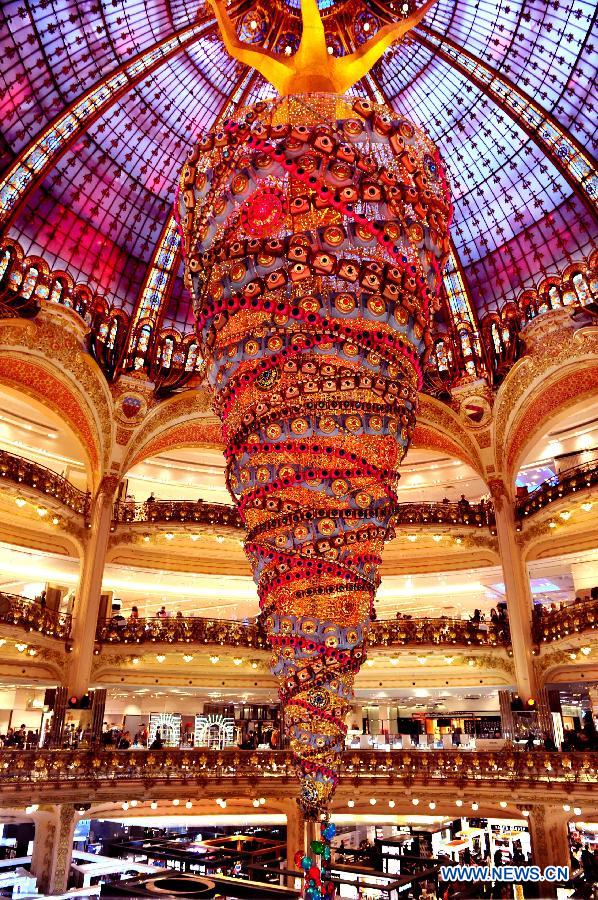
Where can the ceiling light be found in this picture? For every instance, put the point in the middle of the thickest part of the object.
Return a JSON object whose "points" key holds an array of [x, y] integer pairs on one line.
{"points": [[256, 802], [188, 804], [458, 802], [330, 50], [458, 540], [237, 660], [32, 651], [253, 24], [437, 537], [262, 801], [552, 524], [366, 26], [475, 806], [146, 538], [369, 662], [133, 802], [42, 511], [169, 535], [20, 501], [391, 803], [254, 665], [194, 537], [525, 812], [223, 804], [154, 804], [55, 520], [372, 801], [220, 538], [288, 50], [31, 809], [566, 807], [135, 660], [432, 804], [449, 660], [412, 537], [503, 804], [214, 659], [415, 801], [175, 802], [351, 803], [188, 657], [421, 660], [577, 810], [586, 650], [394, 660], [160, 657], [21, 647], [565, 514], [586, 507]]}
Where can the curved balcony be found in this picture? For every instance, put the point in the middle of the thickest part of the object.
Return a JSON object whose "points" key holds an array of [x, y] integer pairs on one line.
{"points": [[33, 616], [33, 475], [155, 768], [576, 618], [384, 633], [172, 512], [176, 512], [577, 478]]}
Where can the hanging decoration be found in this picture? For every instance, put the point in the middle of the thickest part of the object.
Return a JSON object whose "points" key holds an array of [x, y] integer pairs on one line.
{"points": [[315, 227]]}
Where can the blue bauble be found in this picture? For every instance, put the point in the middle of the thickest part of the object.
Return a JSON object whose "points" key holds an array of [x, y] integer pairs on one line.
{"points": [[306, 863]]}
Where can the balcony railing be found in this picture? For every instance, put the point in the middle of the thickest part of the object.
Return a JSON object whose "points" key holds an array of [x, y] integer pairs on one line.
{"points": [[384, 633], [186, 630], [33, 475], [170, 512], [33, 616], [173, 512], [50, 768], [567, 482], [575, 618], [405, 631]]}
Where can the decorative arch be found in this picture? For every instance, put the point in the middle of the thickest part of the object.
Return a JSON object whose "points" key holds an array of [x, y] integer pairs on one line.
{"points": [[49, 364], [546, 399], [440, 428], [182, 421]]}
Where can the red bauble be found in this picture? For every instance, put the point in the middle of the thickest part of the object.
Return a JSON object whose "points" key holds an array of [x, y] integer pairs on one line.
{"points": [[263, 213]]}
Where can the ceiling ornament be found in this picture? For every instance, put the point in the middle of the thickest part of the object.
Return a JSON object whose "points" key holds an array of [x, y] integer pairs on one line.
{"points": [[313, 336]]}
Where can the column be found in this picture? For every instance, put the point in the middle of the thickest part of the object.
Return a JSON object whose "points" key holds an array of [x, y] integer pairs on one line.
{"points": [[549, 833], [506, 715], [54, 738], [53, 849], [87, 600], [517, 590], [296, 833], [98, 708]]}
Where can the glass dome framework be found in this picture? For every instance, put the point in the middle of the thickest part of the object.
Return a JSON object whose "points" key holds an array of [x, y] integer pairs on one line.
{"points": [[128, 86]]}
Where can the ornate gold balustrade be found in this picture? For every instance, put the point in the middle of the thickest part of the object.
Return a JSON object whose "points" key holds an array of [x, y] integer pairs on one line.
{"points": [[54, 768], [172, 512], [570, 481], [33, 616], [576, 618], [19, 470], [33, 475], [384, 633]]}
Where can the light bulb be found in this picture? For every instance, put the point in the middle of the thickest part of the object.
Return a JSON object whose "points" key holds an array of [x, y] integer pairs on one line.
{"points": [[188, 804], [175, 802], [154, 804], [391, 803], [351, 803], [415, 801], [373, 801]]}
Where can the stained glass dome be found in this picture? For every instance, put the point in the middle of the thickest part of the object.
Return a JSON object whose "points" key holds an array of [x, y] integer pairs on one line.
{"points": [[101, 100]]}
